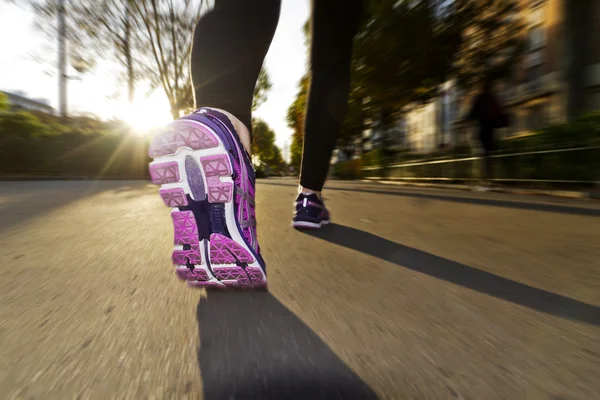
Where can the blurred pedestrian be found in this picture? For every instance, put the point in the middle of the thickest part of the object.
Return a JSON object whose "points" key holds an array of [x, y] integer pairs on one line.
{"points": [[488, 114], [203, 160]]}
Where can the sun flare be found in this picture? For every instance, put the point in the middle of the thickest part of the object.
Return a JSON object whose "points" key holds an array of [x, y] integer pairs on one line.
{"points": [[143, 116]]}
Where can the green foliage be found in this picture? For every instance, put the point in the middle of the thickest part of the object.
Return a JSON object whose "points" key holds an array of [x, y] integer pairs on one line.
{"points": [[4, 106], [382, 157], [492, 40], [40, 145], [403, 51], [350, 169], [582, 132], [575, 166], [20, 124], [295, 120], [581, 165], [262, 88], [259, 172], [354, 122], [263, 140], [267, 154]]}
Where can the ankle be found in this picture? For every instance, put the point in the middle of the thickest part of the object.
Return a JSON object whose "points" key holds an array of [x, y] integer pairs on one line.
{"points": [[304, 190], [241, 129]]}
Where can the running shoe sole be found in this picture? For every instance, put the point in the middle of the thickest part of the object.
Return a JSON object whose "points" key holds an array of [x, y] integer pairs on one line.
{"points": [[195, 170], [308, 225]]}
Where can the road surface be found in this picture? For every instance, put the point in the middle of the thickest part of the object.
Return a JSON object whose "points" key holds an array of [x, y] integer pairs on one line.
{"points": [[412, 293]]}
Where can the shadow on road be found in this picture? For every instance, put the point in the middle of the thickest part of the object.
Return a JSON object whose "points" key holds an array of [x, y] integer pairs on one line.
{"points": [[253, 347], [22, 201], [523, 205], [460, 274]]}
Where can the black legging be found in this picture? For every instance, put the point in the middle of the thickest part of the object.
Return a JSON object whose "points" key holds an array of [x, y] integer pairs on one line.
{"points": [[230, 43]]}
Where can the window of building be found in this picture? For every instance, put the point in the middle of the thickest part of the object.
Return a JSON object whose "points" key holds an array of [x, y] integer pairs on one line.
{"points": [[536, 37], [508, 91], [533, 77], [535, 117]]}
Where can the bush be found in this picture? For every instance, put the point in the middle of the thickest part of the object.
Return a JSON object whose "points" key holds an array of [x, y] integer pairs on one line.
{"points": [[43, 146], [350, 169], [583, 132], [382, 156], [376, 157], [4, 106], [260, 173], [21, 124], [582, 165]]}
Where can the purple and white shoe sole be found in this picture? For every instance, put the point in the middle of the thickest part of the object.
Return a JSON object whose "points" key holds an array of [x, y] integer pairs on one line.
{"points": [[191, 161]]}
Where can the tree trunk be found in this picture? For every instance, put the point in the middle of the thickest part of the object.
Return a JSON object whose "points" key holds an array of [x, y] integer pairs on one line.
{"points": [[62, 60], [128, 56], [174, 111]]}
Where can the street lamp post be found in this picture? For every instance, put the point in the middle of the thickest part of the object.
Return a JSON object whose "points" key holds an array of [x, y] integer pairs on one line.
{"points": [[62, 60]]}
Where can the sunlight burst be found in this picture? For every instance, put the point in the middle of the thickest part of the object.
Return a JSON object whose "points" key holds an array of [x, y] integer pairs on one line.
{"points": [[145, 115]]}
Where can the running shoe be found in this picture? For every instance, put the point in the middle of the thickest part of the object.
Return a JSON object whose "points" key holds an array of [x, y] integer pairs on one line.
{"points": [[207, 179], [310, 212]]}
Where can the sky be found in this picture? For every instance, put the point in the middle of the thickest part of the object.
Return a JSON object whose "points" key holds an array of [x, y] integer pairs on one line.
{"points": [[99, 92]]}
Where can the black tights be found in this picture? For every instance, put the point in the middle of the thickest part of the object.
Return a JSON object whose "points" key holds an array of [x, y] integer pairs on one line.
{"points": [[230, 44]]}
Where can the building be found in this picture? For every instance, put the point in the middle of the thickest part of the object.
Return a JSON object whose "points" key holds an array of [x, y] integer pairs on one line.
{"points": [[422, 126], [560, 67], [429, 127], [18, 101], [557, 45], [545, 84]]}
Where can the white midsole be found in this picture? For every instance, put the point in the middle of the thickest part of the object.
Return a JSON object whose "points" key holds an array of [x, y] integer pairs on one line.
{"points": [[305, 224]]}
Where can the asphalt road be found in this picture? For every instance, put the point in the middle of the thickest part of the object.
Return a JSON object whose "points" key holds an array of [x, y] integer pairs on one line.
{"points": [[412, 293]]}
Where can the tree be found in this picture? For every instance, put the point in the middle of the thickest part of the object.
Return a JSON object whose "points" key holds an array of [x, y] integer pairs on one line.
{"points": [[54, 22], [166, 28], [297, 110], [93, 28], [492, 40], [149, 38], [354, 122], [404, 50], [263, 146], [263, 139], [185, 98], [262, 88], [295, 120], [109, 26]]}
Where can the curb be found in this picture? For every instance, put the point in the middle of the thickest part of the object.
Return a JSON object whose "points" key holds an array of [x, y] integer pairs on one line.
{"points": [[569, 194]]}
